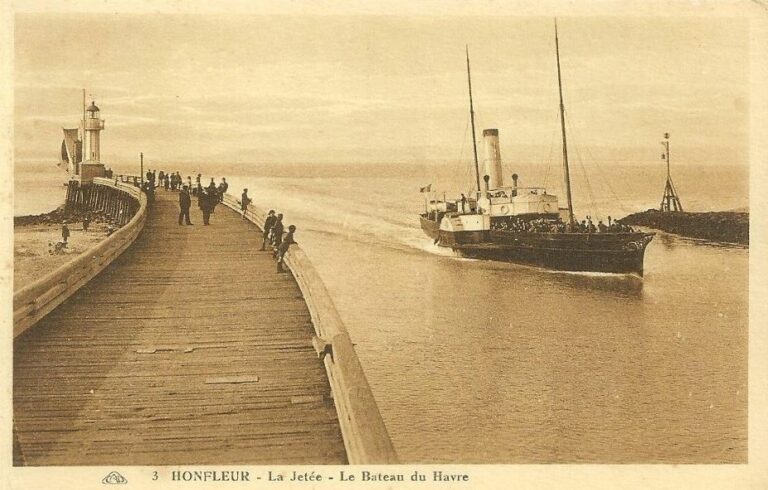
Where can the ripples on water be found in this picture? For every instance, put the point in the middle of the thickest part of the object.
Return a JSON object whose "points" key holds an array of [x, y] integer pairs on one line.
{"points": [[486, 362]]}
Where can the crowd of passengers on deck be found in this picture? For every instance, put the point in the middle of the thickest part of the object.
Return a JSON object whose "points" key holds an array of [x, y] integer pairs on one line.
{"points": [[541, 225]]}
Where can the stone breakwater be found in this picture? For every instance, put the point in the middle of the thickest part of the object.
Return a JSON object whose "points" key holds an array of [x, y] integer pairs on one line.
{"points": [[723, 226]]}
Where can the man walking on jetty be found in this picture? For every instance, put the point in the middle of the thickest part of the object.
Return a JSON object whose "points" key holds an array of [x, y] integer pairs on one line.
{"points": [[269, 222], [212, 195], [287, 242], [184, 203]]}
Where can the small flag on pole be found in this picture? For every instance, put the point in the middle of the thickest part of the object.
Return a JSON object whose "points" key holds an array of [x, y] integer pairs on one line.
{"points": [[427, 188]]}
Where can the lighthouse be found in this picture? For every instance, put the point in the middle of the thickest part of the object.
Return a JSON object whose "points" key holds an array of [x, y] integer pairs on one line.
{"points": [[92, 125]]}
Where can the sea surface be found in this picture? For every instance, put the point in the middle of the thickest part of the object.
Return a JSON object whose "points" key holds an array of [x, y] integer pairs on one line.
{"points": [[485, 362], [38, 188]]}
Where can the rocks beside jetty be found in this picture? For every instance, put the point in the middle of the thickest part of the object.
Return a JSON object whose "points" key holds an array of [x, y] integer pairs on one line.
{"points": [[58, 215], [723, 226]]}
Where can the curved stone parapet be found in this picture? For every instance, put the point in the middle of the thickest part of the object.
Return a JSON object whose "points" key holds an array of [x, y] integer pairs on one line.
{"points": [[36, 300], [365, 436]]}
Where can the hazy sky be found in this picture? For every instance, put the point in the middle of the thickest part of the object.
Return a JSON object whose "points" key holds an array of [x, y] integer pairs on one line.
{"points": [[376, 88]]}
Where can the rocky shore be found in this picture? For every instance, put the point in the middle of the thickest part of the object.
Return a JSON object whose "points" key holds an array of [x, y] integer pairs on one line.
{"points": [[723, 226], [58, 215]]}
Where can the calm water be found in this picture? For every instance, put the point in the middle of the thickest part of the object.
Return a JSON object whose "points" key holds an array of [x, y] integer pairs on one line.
{"points": [[38, 188], [477, 361]]}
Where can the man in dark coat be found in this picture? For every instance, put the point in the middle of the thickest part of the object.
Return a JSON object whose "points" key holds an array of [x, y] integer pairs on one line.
{"points": [[204, 203], [212, 195], [277, 233], [283, 248], [269, 222], [184, 203]]}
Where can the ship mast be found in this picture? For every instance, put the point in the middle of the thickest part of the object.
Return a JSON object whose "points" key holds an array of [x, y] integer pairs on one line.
{"points": [[567, 174], [472, 117]]}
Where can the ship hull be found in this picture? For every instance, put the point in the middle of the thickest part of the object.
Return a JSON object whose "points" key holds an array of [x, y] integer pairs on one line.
{"points": [[430, 227], [619, 253]]}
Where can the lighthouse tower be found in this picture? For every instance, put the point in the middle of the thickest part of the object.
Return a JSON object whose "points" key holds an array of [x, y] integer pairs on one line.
{"points": [[92, 126]]}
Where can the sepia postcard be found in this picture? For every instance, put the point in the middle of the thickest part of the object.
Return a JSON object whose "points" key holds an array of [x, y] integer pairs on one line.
{"points": [[336, 244]]}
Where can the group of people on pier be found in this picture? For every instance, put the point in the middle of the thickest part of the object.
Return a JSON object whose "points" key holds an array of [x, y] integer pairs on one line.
{"points": [[207, 199], [540, 225], [173, 181], [274, 234]]}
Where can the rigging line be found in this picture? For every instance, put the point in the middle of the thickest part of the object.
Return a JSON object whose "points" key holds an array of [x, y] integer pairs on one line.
{"points": [[607, 180], [548, 161], [604, 175], [459, 162], [592, 205]]}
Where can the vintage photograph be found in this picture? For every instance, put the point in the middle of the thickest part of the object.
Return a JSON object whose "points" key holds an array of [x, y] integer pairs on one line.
{"points": [[303, 239]]}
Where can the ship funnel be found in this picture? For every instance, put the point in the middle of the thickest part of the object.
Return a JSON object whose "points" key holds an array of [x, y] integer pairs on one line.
{"points": [[492, 162]]}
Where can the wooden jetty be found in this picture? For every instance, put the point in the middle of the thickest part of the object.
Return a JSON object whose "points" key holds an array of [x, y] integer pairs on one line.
{"points": [[190, 348]]}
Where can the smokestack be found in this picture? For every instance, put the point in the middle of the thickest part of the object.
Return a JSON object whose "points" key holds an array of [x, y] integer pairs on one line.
{"points": [[492, 160]]}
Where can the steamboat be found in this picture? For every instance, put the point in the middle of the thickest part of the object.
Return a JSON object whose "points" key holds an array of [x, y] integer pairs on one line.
{"points": [[527, 225]]}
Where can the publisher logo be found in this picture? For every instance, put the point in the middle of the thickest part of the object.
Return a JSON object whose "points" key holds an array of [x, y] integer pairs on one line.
{"points": [[114, 478]]}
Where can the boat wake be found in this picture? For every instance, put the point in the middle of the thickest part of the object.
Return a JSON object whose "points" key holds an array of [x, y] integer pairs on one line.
{"points": [[345, 217], [591, 274]]}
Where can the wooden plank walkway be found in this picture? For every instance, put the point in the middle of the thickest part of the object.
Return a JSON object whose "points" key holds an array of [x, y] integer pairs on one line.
{"points": [[189, 349]]}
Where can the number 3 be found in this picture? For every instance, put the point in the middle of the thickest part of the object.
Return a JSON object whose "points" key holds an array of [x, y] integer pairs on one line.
{"points": [[154, 475]]}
